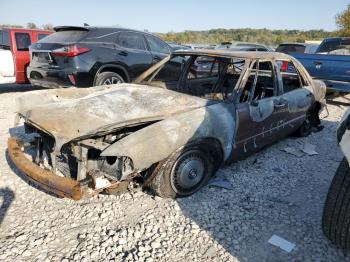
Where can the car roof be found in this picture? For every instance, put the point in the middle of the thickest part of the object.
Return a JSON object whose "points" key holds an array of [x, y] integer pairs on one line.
{"points": [[25, 29], [234, 54]]}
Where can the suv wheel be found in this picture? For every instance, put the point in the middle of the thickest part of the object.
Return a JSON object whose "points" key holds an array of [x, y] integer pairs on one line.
{"points": [[336, 211], [183, 173], [108, 78]]}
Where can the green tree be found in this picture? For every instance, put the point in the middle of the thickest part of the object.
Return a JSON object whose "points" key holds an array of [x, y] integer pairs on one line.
{"points": [[47, 27], [31, 25], [343, 22]]}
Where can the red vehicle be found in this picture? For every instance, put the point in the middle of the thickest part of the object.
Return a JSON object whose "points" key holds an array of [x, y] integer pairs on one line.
{"points": [[14, 52]]}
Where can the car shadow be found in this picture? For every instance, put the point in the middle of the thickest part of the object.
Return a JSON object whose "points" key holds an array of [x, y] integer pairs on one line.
{"points": [[11, 88], [7, 195]]}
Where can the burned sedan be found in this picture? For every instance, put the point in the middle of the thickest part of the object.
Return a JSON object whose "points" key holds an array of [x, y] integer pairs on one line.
{"points": [[170, 130]]}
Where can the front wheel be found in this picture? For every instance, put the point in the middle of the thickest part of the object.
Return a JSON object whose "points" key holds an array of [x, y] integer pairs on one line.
{"points": [[183, 173]]}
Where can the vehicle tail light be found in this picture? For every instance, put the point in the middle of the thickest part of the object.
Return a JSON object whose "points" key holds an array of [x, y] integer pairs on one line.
{"points": [[73, 79], [70, 51], [284, 67]]}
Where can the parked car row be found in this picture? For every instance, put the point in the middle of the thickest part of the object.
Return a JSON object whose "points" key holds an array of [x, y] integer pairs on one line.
{"points": [[14, 55]]}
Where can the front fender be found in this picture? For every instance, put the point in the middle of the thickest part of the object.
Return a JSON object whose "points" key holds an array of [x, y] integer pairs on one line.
{"points": [[156, 142]]}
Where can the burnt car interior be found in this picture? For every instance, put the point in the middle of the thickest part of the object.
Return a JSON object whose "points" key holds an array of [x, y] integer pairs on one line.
{"points": [[212, 78], [261, 83]]}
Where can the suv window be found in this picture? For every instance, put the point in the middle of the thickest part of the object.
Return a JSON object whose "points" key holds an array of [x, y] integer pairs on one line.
{"points": [[22, 41], [300, 49], [157, 45], [4, 40], [41, 36], [69, 36], [131, 40]]}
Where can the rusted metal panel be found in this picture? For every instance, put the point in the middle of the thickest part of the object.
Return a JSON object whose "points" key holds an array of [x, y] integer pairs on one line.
{"points": [[60, 186], [156, 142], [102, 111]]}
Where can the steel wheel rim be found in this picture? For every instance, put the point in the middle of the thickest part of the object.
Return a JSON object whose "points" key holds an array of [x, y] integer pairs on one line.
{"points": [[112, 80], [188, 173]]}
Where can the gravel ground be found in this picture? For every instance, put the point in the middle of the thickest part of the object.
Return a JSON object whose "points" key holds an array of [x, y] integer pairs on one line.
{"points": [[274, 193]]}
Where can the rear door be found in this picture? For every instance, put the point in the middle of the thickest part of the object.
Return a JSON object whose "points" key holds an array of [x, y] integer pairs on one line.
{"points": [[21, 43], [158, 48], [260, 110], [133, 52]]}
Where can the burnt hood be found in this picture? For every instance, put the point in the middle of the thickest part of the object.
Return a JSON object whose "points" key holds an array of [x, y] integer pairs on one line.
{"points": [[73, 113]]}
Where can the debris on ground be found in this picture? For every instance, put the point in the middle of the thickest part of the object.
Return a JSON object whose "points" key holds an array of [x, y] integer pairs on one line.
{"points": [[293, 151], [309, 149], [281, 243]]}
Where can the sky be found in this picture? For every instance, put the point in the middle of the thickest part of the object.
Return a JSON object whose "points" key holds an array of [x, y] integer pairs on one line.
{"points": [[176, 15]]}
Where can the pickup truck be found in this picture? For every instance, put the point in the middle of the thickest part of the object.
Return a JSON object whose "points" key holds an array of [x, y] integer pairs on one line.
{"points": [[330, 63], [14, 52]]}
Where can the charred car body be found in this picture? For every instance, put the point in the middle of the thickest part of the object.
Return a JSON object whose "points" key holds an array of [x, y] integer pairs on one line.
{"points": [[170, 130]]}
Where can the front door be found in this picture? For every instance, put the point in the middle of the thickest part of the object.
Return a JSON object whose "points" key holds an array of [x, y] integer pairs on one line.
{"points": [[133, 53]]}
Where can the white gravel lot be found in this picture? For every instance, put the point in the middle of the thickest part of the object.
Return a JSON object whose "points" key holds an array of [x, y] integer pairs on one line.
{"points": [[274, 193]]}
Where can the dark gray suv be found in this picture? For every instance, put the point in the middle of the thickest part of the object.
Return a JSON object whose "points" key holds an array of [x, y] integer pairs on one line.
{"points": [[91, 56]]}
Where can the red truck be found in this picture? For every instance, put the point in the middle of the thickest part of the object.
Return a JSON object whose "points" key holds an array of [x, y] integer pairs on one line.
{"points": [[14, 52]]}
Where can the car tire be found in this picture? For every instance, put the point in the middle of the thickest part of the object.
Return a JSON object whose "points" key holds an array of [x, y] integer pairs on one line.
{"points": [[336, 212], [108, 78], [182, 174], [305, 129]]}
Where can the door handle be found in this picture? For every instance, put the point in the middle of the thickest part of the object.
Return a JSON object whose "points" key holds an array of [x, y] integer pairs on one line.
{"points": [[280, 103], [123, 53]]}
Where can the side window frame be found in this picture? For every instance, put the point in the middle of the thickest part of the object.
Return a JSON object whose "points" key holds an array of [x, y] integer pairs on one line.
{"points": [[301, 79], [156, 39], [5, 45], [41, 36], [274, 75], [16, 39], [133, 33]]}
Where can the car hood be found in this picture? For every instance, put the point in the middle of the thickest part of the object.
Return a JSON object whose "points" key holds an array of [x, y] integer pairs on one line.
{"points": [[70, 114]]}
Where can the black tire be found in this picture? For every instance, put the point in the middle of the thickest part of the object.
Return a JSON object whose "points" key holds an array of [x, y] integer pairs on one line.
{"points": [[108, 78], [170, 178], [336, 212], [305, 129]]}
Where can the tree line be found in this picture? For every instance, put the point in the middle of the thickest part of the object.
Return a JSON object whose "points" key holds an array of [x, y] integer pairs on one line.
{"points": [[264, 36]]}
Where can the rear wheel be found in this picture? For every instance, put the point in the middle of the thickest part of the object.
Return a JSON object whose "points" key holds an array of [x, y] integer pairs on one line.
{"points": [[108, 78], [183, 173], [305, 129], [336, 212]]}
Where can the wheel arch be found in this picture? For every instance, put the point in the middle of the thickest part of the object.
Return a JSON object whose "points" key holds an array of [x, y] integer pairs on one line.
{"points": [[113, 68], [212, 129]]}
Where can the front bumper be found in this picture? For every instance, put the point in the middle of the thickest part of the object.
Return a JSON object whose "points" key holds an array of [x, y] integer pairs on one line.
{"points": [[61, 186]]}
